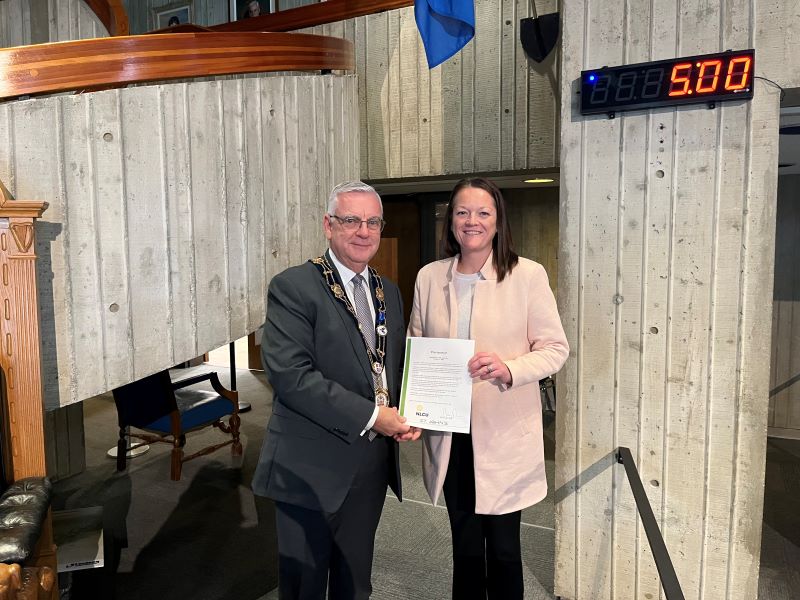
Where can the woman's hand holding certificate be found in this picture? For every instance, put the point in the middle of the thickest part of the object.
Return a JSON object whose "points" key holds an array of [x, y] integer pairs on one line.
{"points": [[487, 365]]}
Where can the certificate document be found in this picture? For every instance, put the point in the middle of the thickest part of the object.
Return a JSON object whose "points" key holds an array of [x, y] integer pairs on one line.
{"points": [[437, 388]]}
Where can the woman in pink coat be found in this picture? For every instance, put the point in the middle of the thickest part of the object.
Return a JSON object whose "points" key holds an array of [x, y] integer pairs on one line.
{"points": [[487, 293]]}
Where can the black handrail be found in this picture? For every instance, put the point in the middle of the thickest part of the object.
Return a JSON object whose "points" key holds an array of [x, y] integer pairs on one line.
{"points": [[669, 580], [784, 385]]}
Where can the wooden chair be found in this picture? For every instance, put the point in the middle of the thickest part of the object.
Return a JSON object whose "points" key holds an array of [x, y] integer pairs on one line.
{"points": [[167, 412], [28, 583]]}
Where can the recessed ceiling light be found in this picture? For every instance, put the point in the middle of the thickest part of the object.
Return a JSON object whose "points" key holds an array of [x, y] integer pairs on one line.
{"points": [[539, 180]]}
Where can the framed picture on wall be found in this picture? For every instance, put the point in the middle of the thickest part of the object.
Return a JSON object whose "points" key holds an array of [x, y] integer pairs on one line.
{"points": [[245, 9], [175, 13]]}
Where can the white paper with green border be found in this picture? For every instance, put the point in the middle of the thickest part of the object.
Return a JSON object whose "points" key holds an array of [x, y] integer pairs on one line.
{"points": [[437, 388]]}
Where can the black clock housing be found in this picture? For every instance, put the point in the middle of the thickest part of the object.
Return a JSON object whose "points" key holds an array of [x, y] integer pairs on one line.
{"points": [[707, 78]]}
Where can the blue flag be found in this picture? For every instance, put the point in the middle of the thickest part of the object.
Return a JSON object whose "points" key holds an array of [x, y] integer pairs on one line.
{"points": [[445, 26]]}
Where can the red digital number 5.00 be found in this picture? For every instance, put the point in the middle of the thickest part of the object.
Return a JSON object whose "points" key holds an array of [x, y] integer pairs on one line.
{"points": [[708, 76]]}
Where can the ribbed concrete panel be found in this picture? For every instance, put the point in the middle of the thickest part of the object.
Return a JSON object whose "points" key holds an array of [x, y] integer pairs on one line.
{"points": [[665, 282], [15, 23], [171, 207], [489, 108], [73, 20], [24, 22]]}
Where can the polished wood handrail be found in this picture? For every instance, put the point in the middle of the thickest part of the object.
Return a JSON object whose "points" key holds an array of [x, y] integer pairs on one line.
{"points": [[111, 14], [102, 62], [182, 28], [313, 15]]}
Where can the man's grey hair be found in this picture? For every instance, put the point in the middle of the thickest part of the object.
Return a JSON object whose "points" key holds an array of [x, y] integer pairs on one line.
{"points": [[347, 187]]}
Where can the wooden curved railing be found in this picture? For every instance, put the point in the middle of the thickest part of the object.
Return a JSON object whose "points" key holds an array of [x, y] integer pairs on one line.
{"points": [[111, 14], [108, 62], [313, 15], [184, 51]]}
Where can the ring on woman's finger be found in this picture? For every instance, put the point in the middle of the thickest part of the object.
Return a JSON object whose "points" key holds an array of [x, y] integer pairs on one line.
{"points": [[489, 368]]}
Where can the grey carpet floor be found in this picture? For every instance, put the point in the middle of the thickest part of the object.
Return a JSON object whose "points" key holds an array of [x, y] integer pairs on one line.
{"points": [[207, 537]]}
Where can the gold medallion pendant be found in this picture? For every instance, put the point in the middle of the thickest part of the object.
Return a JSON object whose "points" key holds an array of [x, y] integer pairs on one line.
{"points": [[382, 396]]}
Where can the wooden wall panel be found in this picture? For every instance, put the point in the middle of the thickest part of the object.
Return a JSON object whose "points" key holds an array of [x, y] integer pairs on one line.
{"points": [[171, 207], [533, 215], [488, 108], [665, 266], [403, 224], [784, 414]]}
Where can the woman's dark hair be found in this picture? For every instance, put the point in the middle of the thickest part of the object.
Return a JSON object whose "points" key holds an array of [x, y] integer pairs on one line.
{"points": [[504, 258]]}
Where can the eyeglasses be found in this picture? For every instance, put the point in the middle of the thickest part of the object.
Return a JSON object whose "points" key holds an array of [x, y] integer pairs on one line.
{"points": [[352, 223]]}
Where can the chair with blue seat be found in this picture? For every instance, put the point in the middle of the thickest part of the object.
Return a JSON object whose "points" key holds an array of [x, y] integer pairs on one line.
{"points": [[166, 411]]}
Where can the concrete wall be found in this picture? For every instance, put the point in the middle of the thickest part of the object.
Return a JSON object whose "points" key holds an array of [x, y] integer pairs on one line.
{"points": [[171, 206], [486, 109], [24, 22], [69, 20], [15, 23], [665, 270]]}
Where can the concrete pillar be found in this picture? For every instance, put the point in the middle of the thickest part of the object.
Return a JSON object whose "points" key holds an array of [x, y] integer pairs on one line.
{"points": [[665, 284]]}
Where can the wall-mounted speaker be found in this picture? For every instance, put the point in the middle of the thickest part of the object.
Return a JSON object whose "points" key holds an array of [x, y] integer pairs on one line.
{"points": [[539, 35]]}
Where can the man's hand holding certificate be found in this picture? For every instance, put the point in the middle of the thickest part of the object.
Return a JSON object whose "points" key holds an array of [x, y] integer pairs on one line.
{"points": [[437, 387]]}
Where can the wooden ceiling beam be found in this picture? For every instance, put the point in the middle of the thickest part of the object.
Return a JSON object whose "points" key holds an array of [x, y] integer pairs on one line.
{"points": [[111, 14]]}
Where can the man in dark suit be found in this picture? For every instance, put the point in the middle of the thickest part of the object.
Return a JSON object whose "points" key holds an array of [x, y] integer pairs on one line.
{"points": [[333, 351]]}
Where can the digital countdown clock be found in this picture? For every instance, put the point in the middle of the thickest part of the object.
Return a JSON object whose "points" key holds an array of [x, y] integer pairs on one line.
{"points": [[708, 78]]}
